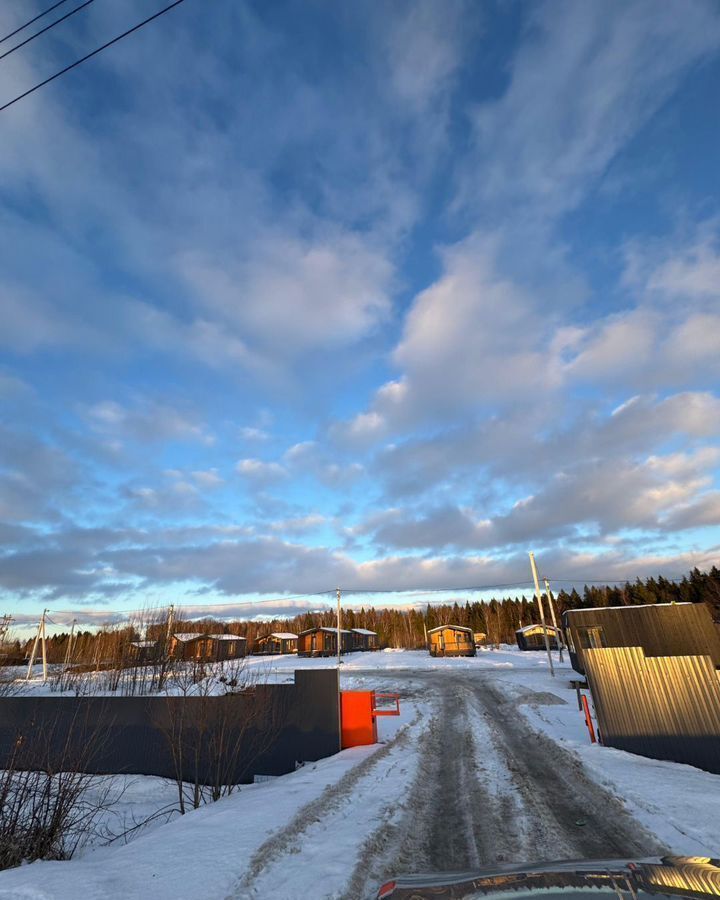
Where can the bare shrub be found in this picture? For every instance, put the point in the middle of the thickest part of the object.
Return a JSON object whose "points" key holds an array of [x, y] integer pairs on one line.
{"points": [[46, 808], [218, 724]]}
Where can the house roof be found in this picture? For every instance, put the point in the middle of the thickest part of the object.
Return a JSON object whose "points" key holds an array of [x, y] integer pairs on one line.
{"points": [[584, 609], [189, 635], [529, 628], [363, 631], [283, 635], [227, 637], [325, 628], [452, 627]]}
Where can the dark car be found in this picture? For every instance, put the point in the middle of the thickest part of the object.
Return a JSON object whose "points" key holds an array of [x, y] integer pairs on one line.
{"points": [[671, 876]]}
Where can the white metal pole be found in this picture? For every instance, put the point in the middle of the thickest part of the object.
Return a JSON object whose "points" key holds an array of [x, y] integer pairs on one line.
{"points": [[44, 648], [551, 604], [33, 652], [538, 595], [339, 623], [68, 652]]}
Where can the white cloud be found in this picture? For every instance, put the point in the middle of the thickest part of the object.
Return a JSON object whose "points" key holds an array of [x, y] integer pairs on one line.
{"points": [[147, 421], [250, 433], [296, 296], [259, 470], [207, 478], [584, 80]]}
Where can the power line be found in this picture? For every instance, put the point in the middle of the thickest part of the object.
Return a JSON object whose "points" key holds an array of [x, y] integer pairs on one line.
{"points": [[39, 16], [418, 592], [91, 54], [46, 28]]}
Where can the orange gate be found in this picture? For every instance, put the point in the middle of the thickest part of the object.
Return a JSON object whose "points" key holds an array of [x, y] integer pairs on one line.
{"points": [[359, 714]]}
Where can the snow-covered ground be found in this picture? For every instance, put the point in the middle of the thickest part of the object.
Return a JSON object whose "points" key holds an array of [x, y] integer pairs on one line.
{"points": [[345, 821]]}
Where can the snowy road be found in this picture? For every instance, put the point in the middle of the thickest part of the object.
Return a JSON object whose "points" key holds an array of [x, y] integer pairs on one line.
{"points": [[481, 787], [489, 763]]}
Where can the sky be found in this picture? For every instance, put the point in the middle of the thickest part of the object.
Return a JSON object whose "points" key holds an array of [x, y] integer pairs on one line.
{"points": [[379, 295]]}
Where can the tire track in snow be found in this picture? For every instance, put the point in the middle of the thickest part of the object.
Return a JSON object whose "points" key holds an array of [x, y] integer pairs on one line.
{"points": [[563, 812], [314, 824]]}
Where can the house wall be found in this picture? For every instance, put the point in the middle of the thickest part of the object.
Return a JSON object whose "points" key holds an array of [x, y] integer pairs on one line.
{"points": [[131, 735], [449, 642], [675, 629], [325, 643]]}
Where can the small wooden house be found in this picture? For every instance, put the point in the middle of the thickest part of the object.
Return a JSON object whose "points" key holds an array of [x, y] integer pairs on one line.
{"points": [[143, 652], [192, 646], [531, 637], [480, 638], [227, 646], [364, 639], [451, 640], [276, 642], [323, 642], [660, 629]]}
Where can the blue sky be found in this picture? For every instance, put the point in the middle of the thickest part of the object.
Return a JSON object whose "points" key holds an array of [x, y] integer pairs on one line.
{"points": [[378, 295]]}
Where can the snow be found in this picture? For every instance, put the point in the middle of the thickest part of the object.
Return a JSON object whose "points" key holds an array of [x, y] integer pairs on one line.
{"points": [[533, 629], [283, 837], [283, 635], [363, 631]]}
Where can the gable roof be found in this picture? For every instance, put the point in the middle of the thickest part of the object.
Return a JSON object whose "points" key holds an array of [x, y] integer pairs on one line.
{"points": [[452, 627], [227, 637], [363, 631], [537, 627], [189, 635]]}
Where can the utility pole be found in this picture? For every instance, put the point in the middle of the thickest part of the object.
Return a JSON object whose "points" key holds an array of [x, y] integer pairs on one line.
{"points": [[40, 635], [551, 604], [339, 623], [68, 652], [4, 627], [538, 595], [171, 612]]}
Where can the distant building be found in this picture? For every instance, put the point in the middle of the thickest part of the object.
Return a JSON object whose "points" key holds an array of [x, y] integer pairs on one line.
{"points": [[480, 638], [322, 641], [144, 652], [203, 647], [227, 646], [364, 639], [531, 637], [451, 640], [660, 629], [276, 642]]}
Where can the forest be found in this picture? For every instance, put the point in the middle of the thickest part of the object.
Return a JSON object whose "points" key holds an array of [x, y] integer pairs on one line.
{"points": [[404, 628]]}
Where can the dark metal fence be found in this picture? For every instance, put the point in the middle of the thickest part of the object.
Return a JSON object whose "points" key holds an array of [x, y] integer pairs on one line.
{"points": [[264, 731], [664, 707]]}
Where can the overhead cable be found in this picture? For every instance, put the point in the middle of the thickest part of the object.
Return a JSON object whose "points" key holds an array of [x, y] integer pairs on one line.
{"points": [[46, 28], [90, 55], [39, 16]]}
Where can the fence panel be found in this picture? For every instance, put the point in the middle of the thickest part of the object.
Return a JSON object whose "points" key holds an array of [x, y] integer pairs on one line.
{"points": [[664, 707]]}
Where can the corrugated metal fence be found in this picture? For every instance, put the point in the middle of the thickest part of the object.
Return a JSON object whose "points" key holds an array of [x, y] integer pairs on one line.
{"points": [[664, 707]]}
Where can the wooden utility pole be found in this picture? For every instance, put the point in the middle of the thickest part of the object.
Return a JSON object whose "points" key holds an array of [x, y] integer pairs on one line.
{"points": [[339, 623], [538, 596], [551, 604], [171, 612]]}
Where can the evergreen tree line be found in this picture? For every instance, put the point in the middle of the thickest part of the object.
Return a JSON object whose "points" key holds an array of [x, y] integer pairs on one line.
{"points": [[498, 619]]}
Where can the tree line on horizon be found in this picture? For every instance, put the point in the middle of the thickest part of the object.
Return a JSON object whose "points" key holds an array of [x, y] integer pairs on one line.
{"points": [[497, 619]]}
